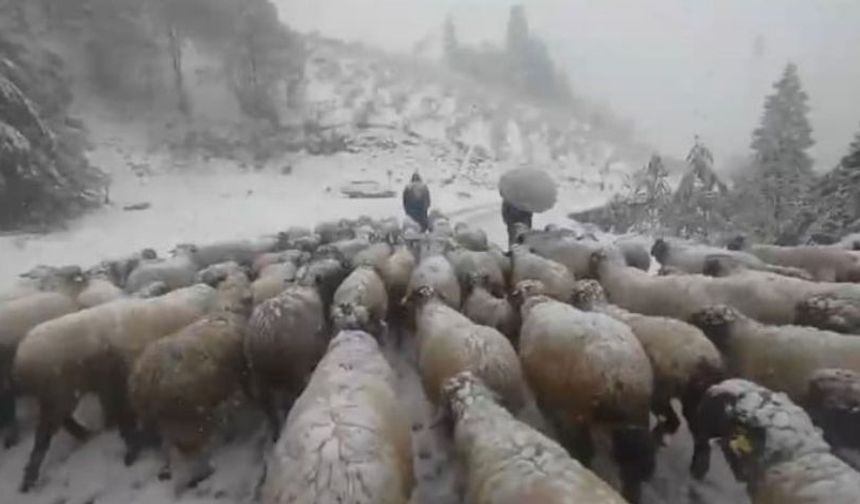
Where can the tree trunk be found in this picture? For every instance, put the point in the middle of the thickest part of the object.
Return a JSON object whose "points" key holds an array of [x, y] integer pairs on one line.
{"points": [[174, 47]]}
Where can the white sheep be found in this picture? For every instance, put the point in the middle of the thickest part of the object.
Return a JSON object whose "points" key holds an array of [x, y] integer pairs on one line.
{"points": [[833, 403], [272, 280], [437, 272], [586, 370], [180, 380], [507, 461], [92, 351], [396, 273], [449, 343], [483, 308], [685, 362], [17, 317], [484, 264], [347, 438], [781, 358], [557, 279], [177, 271], [825, 264], [361, 302], [772, 446], [694, 259]]}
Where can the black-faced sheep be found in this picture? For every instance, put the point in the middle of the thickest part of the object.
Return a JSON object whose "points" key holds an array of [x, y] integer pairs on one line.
{"points": [[449, 343], [825, 264], [587, 370], [483, 308], [833, 403], [361, 303], [180, 380], [93, 351], [507, 461], [685, 362], [772, 446], [17, 318], [557, 279], [347, 438], [781, 358]]}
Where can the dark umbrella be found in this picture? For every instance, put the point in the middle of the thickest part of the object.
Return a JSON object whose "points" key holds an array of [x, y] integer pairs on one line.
{"points": [[528, 189]]}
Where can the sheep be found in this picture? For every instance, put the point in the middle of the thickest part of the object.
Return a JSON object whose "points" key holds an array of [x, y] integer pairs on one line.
{"points": [[557, 279], [503, 261], [19, 316], [40, 279], [179, 381], [587, 370], [396, 272], [361, 302], [694, 259], [833, 403], [374, 256], [470, 238], [827, 311], [467, 262], [562, 248], [332, 231], [766, 297], [294, 256], [272, 280], [449, 343], [772, 446], [684, 361], [438, 273], [100, 289], [635, 252], [298, 238], [240, 251], [507, 461], [825, 264], [483, 308], [177, 271], [346, 250], [287, 336], [92, 351], [781, 358], [347, 438]]}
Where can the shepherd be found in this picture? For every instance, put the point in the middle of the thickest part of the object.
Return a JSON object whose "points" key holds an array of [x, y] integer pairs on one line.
{"points": [[416, 201], [525, 192]]}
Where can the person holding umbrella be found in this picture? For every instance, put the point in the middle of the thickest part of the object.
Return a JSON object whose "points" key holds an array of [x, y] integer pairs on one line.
{"points": [[525, 191], [416, 201]]}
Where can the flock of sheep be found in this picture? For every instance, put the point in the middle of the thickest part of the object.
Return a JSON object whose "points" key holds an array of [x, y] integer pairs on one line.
{"points": [[742, 338]]}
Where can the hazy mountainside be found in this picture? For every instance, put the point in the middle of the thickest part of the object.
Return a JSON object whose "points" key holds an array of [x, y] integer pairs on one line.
{"points": [[44, 174]]}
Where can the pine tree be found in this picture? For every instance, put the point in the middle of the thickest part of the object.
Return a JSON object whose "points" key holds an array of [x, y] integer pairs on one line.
{"points": [[783, 167], [518, 33], [650, 194], [852, 159], [697, 199]]}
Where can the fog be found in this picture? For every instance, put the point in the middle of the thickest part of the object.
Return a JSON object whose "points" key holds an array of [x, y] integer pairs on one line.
{"points": [[675, 67]]}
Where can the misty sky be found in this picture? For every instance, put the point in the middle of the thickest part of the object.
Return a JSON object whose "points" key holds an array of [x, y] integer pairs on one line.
{"points": [[676, 67]]}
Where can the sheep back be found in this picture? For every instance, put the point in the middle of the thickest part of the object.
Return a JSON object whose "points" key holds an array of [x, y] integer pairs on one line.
{"points": [[586, 366], [285, 337], [507, 461], [436, 272], [346, 438]]}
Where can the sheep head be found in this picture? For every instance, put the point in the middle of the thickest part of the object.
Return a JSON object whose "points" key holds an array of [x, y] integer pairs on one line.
{"points": [[739, 242], [716, 322], [461, 391], [660, 250], [598, 260], [475, 280], [525, 290], [421, 296], [587, 293], [757, 428], [348, 316]]}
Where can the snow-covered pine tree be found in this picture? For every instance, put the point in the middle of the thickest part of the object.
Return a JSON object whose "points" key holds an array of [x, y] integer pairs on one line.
{"points": [[696, 204], [450, 43], [783, 168]]}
